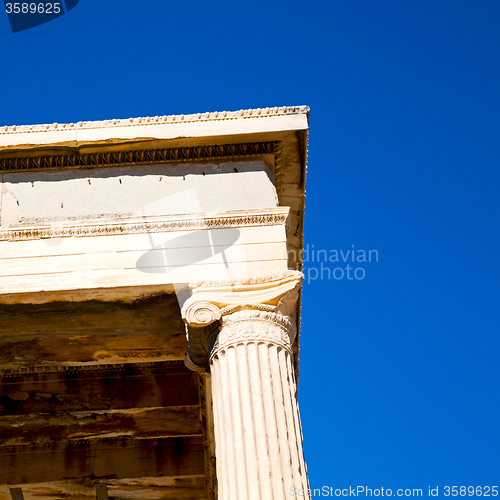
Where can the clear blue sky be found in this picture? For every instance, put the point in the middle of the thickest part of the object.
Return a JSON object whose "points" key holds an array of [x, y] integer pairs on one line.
{"points": [[399, 371]]}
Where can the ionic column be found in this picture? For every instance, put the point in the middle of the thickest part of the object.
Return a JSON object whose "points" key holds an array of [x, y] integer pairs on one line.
{"points": [[258, 435]]}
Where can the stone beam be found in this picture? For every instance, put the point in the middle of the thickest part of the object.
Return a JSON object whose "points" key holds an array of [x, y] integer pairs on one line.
{"points": [[85, 258]]}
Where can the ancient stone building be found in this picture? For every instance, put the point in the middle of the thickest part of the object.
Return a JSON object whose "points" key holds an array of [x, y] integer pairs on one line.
{"points": [[149, 307]]}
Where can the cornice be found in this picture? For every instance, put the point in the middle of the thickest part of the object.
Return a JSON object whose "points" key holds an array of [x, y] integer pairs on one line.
{"points": [[154, 120], [138, 157], [143, 225]]}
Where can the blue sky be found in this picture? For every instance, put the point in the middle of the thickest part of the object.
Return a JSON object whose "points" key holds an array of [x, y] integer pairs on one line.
{"points": [[399, 371]]}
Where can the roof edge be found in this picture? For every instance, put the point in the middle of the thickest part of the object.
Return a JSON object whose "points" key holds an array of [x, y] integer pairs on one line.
{"points": [[155, 120]]}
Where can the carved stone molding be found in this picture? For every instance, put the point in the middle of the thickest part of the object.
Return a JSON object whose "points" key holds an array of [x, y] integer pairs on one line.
{"points": [[268, 291], [200, 313], [143, 156], [264, 305], [142, 225], [251, 326]]}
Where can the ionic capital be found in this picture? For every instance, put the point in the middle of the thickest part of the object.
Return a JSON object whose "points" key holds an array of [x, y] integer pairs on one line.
{"points": [[209, 301], [254, 302]]}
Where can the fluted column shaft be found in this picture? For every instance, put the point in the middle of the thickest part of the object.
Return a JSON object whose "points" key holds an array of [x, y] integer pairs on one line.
{"points": [[257, 426]]}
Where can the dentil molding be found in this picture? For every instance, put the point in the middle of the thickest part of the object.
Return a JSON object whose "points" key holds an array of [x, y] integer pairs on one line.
{"points": [[139, 157]]}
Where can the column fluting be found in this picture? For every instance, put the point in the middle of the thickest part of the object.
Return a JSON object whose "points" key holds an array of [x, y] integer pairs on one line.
{"points": [[258, 435]]}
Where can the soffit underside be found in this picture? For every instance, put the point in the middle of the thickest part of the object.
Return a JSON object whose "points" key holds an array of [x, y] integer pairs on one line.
{"points": [[98, 392]]}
